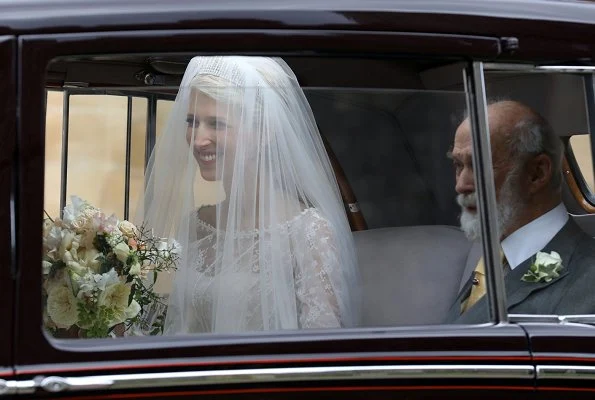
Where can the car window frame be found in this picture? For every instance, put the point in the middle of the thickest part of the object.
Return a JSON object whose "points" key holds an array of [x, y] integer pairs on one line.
{"points": [[8, 201], [38, 50]]}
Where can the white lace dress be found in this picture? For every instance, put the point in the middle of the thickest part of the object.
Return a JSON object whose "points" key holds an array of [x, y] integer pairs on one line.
{"points": [[241, 288]]}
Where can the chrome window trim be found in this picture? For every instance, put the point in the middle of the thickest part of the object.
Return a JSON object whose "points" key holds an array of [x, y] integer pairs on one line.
{"points": [[573, 372], [57, 384], [486, 192], [539, 69]]}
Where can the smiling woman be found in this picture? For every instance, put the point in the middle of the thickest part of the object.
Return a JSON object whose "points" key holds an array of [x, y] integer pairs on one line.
{"points": [[277, 252]]}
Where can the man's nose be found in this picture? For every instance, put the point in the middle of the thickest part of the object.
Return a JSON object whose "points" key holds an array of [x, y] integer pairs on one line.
{"points": [[465, 181]]}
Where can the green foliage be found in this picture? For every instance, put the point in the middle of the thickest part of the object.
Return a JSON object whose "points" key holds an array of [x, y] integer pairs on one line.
{"points": [[96, 320]]}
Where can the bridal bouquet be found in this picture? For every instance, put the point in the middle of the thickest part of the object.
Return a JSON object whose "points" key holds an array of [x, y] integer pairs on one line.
{"points": [[95, 271]]}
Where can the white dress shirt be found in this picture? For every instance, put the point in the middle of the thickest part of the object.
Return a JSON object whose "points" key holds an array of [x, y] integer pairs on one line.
{"points": [[531, 238]]}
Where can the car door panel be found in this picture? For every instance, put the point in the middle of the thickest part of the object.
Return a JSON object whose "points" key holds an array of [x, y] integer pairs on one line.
{"points": [[423, 362], [412, 362], [564, 359]]}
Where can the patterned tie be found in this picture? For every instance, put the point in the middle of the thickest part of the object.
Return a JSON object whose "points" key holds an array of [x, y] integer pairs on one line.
{"points": [[479, 282]]}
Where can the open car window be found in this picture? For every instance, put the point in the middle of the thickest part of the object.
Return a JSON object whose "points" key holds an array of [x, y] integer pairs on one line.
{"points": [[388, 252], [543, 177]]}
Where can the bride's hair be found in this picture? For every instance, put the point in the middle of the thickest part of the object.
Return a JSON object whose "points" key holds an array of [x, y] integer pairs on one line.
{"points": [[215, 87]]}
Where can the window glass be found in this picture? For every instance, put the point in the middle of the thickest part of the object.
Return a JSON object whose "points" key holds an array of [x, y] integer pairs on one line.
{"points": [[530, 117], [163, 109], [97, 123], [249, 200]]}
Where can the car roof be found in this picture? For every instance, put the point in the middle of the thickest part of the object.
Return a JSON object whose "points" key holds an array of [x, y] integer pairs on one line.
{"points": [[62, 16]]}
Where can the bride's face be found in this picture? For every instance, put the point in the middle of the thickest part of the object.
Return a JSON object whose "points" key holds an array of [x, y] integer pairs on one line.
{"points": [[210, 134]]}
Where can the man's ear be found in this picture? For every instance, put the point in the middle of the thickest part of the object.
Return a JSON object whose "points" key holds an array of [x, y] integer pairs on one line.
{"points": [[539, 173]]}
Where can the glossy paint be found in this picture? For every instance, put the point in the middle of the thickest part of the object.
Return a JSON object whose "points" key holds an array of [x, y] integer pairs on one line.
{"points": [[462, 30]]}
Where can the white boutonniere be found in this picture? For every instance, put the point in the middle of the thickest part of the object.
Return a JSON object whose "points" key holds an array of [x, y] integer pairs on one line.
{"points": [[545, 268]]}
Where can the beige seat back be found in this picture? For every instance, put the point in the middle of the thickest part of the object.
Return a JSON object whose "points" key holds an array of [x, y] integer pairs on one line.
{"points": [[411, 275]]}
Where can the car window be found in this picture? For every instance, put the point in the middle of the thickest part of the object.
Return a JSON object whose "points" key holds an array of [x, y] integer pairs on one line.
{"points": [[374, 184], [540, 138]]}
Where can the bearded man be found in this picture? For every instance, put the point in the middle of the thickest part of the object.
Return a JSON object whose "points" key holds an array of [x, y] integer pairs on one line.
{"points": [[532, 220]]}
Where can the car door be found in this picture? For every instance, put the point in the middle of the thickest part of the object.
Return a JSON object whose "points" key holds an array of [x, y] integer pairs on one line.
{"points": [[8, 62], [417, 362]]}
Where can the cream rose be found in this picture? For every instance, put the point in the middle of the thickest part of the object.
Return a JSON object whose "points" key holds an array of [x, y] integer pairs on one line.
{"points": [[62, 307], [85, 221], [128, 229], [122, 251]]}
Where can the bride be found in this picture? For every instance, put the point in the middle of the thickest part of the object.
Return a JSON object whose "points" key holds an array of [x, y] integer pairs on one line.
{"points": [[275, 250]]}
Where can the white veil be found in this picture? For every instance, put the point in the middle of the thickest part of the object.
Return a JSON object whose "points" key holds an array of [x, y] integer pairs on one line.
{"points": [[275, 249]]}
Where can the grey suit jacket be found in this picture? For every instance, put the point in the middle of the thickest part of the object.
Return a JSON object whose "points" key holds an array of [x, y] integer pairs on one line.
{"points": [[571, 293]]}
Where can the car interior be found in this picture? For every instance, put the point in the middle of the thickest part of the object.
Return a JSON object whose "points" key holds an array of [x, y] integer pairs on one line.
{"points": [[388, 124]]}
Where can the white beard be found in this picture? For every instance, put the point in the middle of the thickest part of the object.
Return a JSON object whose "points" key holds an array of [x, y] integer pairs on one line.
{"points": [[509, 205]]}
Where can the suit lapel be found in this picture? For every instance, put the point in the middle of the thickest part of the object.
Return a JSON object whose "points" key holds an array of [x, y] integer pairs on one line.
{"points": [[563, 243]]}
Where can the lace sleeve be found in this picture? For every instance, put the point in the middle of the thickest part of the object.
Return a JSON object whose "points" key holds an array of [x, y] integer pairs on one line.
{"points": [[316, 264]]}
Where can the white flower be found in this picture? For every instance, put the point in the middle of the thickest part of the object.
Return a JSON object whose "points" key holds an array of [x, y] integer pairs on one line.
{"points": [[77, 268], [62, 307], [86, 220], [88, 258], [545, 268], [108, 279], [53, 239], [66, 242], [132, 310], [135, 269], [73, 210], [115, 296], [548, 259], [121, 250]]}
